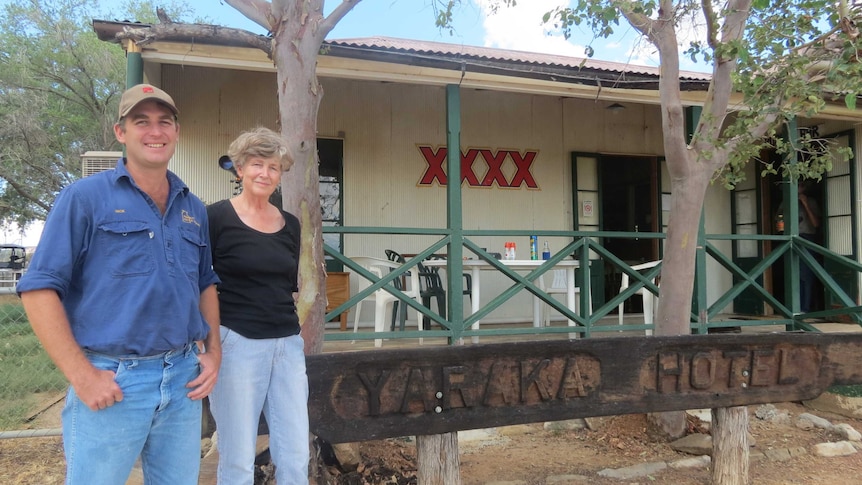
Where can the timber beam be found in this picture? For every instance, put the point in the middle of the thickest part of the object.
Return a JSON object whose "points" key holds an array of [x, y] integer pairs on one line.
{"points": [[356, 396]]}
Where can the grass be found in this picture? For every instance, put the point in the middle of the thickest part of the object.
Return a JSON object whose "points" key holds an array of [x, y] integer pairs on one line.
{"points": [[25, 368], [847, 391]]}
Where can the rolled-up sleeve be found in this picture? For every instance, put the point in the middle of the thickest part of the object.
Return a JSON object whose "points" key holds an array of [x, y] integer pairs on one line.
{"points": [[60, 247]]}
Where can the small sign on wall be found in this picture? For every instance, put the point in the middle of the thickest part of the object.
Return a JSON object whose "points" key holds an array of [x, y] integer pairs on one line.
{"points": [[587, 208]]}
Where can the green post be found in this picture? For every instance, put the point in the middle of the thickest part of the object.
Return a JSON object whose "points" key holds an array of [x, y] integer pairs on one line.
{"points": [[699, 301], [454, 219], [790, 203], [134, 65]]}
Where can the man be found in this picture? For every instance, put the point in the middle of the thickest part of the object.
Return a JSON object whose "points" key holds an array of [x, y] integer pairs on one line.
{"points": [[809, 224], [121, 293]]}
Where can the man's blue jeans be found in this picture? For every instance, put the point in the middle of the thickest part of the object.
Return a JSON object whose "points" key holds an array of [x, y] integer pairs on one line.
{"points": [[155, 420], [261, 375], [807, 280]]}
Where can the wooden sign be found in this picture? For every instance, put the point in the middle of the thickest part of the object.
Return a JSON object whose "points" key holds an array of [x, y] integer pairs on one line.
{"points": [[357, 396]]}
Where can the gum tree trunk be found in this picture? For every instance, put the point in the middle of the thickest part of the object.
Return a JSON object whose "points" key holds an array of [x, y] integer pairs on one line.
{"points": [[730, 446]]}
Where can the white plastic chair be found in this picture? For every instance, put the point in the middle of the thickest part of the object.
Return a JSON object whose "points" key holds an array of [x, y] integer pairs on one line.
{"points": [[382, 299], [650, 300], [558, 286]]}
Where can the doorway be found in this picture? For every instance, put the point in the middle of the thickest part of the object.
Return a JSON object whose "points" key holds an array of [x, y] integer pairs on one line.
{"points": [[629, 203]]}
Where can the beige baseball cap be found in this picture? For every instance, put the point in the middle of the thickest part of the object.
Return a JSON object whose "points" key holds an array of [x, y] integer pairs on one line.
{"points": [[143, 92]]}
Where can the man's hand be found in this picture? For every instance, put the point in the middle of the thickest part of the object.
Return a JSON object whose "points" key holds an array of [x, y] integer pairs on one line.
{"points": [[98, 390], [203, 384]]}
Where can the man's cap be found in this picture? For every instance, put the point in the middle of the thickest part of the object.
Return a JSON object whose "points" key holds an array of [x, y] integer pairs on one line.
{"points": [[135, 95]]}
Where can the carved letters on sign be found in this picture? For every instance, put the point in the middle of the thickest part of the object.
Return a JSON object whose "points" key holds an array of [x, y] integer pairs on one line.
{"points": [[497, 383], [493, 160], [486, 384], [726, 370], [357, 396]]}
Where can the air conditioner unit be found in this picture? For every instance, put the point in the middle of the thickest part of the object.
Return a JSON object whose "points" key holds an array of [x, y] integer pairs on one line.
{"points": [[95, 162]]}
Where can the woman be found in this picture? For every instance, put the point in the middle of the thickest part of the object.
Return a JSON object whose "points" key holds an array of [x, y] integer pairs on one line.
{"points": [[255, 248]]}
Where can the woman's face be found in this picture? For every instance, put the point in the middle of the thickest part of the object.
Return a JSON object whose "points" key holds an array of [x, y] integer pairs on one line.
{"points": [[260, 176]]}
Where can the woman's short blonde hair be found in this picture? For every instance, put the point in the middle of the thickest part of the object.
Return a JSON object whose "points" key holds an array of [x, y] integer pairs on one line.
{"points": [[259, 142]]}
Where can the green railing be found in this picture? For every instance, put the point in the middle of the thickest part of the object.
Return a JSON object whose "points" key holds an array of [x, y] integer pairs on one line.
{"points": [[586, 248]]}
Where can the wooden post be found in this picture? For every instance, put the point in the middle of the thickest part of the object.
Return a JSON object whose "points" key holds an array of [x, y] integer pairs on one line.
{"points": [[437, 459], [730, 446]]}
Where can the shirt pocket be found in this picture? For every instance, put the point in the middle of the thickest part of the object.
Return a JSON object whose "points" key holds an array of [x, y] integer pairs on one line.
{"points": [[128, 248], [192, 246]]}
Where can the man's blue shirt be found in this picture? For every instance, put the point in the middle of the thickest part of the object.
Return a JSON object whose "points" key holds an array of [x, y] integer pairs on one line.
{"points": [[129, 278]]}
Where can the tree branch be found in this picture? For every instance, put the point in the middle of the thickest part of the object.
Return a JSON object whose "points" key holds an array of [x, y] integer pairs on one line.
{"points": [[336, 15], [711, 23], [190, 32], [258, 11]]}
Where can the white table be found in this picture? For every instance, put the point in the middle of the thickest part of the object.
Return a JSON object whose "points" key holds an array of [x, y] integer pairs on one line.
{"points": [[476, 266]]}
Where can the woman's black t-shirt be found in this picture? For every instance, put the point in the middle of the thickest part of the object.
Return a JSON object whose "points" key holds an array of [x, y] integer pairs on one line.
{"points": [[258, 273]]}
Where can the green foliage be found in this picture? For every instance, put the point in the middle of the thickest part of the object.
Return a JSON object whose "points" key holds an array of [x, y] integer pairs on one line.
{"points": [[59, 90], [444, 11], [847, 391], [792, 60]]}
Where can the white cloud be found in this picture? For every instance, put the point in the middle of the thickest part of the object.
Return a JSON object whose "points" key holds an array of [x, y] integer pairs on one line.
{"points": [[521, 28]]}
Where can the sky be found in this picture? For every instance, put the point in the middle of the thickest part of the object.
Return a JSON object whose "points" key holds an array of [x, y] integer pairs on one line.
{"points": [[514, 28]]}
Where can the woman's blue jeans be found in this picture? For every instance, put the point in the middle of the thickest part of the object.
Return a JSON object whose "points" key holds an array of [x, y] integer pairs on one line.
{"points": [[155, 420], [261, 375]]}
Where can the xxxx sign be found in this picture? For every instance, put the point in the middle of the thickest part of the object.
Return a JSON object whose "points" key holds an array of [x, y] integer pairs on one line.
{"points": [[473, 159]]}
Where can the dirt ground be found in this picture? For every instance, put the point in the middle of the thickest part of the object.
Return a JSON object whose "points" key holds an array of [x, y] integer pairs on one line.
{"points": [[532, 454]]}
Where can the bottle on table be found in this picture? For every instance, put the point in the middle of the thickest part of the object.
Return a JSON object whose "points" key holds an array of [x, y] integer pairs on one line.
{"points": [[546, 251]]}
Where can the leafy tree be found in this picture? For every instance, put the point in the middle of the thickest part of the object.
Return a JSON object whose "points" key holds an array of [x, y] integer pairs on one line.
{"points": [[59, 90]]}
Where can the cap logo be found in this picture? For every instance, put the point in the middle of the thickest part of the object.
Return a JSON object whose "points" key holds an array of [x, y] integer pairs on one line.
{"points": [[148, 89]]}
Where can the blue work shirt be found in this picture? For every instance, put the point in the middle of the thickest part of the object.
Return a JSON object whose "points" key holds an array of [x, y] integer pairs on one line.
{"points": [[129, 277]]}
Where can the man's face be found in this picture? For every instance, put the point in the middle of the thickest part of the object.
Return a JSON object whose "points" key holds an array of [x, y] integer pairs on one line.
{"points": [[150, 134]]}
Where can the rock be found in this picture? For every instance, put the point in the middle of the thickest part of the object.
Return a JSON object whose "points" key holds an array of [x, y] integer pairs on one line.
{"points": [[779, 454], [840, 448], [794, 452], [594, 424], [850, 407], [565, 425], [766, 412], [817, 421], [804, 424], [694, 462], [634, 471], [694, 444], [213, 444], [566, 479], [477, 434], [847, 432], [347, 455]]}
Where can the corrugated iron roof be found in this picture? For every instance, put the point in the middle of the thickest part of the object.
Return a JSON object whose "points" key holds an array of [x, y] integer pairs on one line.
{"points": [[438, 49]]}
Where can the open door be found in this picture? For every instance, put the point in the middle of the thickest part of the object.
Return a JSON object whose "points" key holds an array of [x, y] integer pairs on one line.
{"points": [[629, 188], [839, 221], [752, 204]]}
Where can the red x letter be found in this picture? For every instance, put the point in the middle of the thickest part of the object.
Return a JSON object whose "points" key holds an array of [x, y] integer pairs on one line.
{"points": [[523, 175], [435, 165], [495, 172]]}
